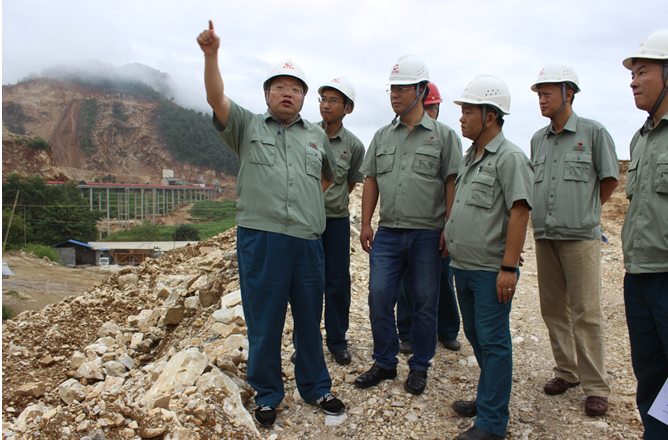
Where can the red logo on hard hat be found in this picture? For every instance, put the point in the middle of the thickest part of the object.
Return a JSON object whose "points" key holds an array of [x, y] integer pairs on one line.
{"points": [[395, 68], [288, 65], [542, 71], [336, 80]]}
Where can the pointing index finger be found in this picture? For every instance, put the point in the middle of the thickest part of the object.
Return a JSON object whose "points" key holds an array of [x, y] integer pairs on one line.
{"points": [[210, 25]]}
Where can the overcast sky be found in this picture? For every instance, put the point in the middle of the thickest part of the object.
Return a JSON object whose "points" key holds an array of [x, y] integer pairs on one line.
{"points": [[360, 39]]}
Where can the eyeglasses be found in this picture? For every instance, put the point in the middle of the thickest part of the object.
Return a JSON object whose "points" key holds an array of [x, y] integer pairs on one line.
{"points": [[399, 89], [294, 91], [332, 101]]}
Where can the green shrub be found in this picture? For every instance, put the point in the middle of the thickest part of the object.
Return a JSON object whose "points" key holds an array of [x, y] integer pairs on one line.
{"points": [[40, 144], [186, 233], [42, 251], [7, 313], [144, 233]]}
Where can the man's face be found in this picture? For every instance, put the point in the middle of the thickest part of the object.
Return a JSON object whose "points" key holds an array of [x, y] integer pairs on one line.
{"points": [[332, 103], [402, 97], [471, 121], [550, 99], [646, 83], [432, 110], [284, 98]]}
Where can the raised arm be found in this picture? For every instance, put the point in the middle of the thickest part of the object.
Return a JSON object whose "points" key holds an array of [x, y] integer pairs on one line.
{"points": [[209, 42]]}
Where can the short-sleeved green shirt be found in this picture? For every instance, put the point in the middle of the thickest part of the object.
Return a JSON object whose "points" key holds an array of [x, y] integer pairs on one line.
{"points": [[486, 189], [279, 177], [645, 231], [349, 153], [568, 168], [410, 168]]}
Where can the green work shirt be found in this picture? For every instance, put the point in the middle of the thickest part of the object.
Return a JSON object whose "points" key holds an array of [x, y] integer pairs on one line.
{"points": [[279, 177], [349, 153], [568, 168], [486, 189], [645, 231], [411, 168]]}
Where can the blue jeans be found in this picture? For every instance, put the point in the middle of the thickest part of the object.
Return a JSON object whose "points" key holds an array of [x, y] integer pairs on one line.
{"points": [[646, 301], [487, 327], [336, 243], [274, 269], [448, 312], [394, 251]]}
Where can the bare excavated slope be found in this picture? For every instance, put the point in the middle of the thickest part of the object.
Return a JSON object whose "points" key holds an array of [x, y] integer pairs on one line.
{"points": [[130, 150], [48, 340]]}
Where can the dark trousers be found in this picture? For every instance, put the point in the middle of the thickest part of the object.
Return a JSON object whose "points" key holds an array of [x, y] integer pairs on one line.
{"points": [[448, 312], [646, 301], [275, 269], [336, 243]]}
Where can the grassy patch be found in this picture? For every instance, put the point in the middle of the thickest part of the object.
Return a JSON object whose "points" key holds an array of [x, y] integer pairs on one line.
{"points": [[214, 210], [15, 294], [42, 251], [166, 233]]}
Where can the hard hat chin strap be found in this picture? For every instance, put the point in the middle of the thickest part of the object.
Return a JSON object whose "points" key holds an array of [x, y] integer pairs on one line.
{"points": [[563, 104], [345, 109], [649, 123], [418, 96], [484, 119]]}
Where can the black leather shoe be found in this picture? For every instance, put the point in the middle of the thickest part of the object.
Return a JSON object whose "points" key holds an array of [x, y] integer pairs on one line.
{"points": [[265, 415], [405, 347], [374, 376], [465, 408], [293, 358], [342, 357], [416, 382], [450, 344], [475, 433]]}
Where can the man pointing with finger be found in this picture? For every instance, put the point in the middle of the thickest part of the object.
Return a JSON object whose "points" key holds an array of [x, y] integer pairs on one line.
{"points": [[285, 165]]}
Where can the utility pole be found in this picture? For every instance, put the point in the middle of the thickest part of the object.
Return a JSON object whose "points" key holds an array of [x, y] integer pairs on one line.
{"points": [[11, 217]]}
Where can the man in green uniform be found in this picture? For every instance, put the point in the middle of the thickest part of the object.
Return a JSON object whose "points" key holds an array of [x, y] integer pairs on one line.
{"points": [[286, 164], [337, 99], [645, 231], [576, 169], [484, 236], [411, 164]]}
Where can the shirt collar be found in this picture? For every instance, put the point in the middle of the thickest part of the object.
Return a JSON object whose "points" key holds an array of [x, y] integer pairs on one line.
{"points": [[268, 116], [339, 134], [426, 122], [571, 124], [492, 147]]}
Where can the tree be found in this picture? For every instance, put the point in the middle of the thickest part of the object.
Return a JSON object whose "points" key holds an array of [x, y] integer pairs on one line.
{"points": [[54, 213], [186, 233], [15, 238]]}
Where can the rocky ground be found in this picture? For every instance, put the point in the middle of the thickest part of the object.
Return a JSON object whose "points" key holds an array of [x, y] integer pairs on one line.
{"points": [[154, 352]]}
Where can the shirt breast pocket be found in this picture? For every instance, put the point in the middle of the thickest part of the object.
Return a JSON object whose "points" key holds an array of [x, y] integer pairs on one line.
{"points": [[539, 168], [262, 151], [313, 162], [385, 159], [482, 191], [661, 181], [427, 161], [631, 175], [342, 167], [576, 167]]}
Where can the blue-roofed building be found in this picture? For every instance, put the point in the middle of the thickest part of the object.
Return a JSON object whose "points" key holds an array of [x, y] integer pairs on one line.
{"points": [[72, 252]]}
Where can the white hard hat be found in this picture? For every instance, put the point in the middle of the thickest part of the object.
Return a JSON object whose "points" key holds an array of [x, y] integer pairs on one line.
{"points": [[343, 85], [288, 68], [409, 69], [557, 73], [655, 47], [489, 90]]}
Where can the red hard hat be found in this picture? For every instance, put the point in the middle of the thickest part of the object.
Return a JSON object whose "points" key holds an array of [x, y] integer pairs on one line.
{"points": [[434, 96]]}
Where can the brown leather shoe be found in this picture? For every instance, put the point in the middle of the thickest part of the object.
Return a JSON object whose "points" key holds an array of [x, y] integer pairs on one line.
{"points": [[596, 406], [558, 386]]}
